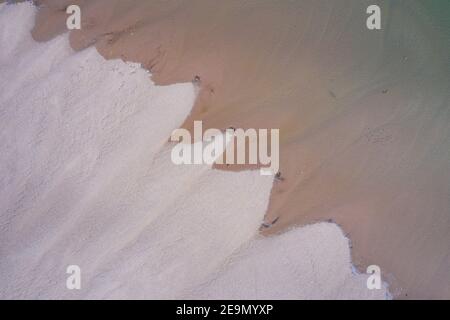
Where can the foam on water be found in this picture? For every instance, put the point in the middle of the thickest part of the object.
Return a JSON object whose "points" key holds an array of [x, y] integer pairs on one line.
{"points": [[86, 179]]}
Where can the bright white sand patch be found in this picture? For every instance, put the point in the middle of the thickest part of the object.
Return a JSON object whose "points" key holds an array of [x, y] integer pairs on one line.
{"points": [[311, 262], [86, 179]]}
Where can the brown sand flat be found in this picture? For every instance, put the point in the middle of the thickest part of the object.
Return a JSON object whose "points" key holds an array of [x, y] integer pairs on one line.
{"points": [[364, 116]]}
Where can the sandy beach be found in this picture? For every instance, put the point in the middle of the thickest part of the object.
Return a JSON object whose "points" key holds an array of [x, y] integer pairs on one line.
{"points": [[364, 116], [90, 191]]}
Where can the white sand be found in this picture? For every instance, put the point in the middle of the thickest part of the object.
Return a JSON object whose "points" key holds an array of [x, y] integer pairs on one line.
{"points": [[311, 262], [86, 179]]}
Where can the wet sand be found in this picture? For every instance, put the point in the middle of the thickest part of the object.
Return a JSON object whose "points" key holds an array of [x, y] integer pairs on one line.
{"points": [[364, 116]]}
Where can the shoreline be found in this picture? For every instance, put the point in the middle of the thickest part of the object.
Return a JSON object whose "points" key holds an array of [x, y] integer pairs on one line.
{"points": [[91, 188], [348, 147]]}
